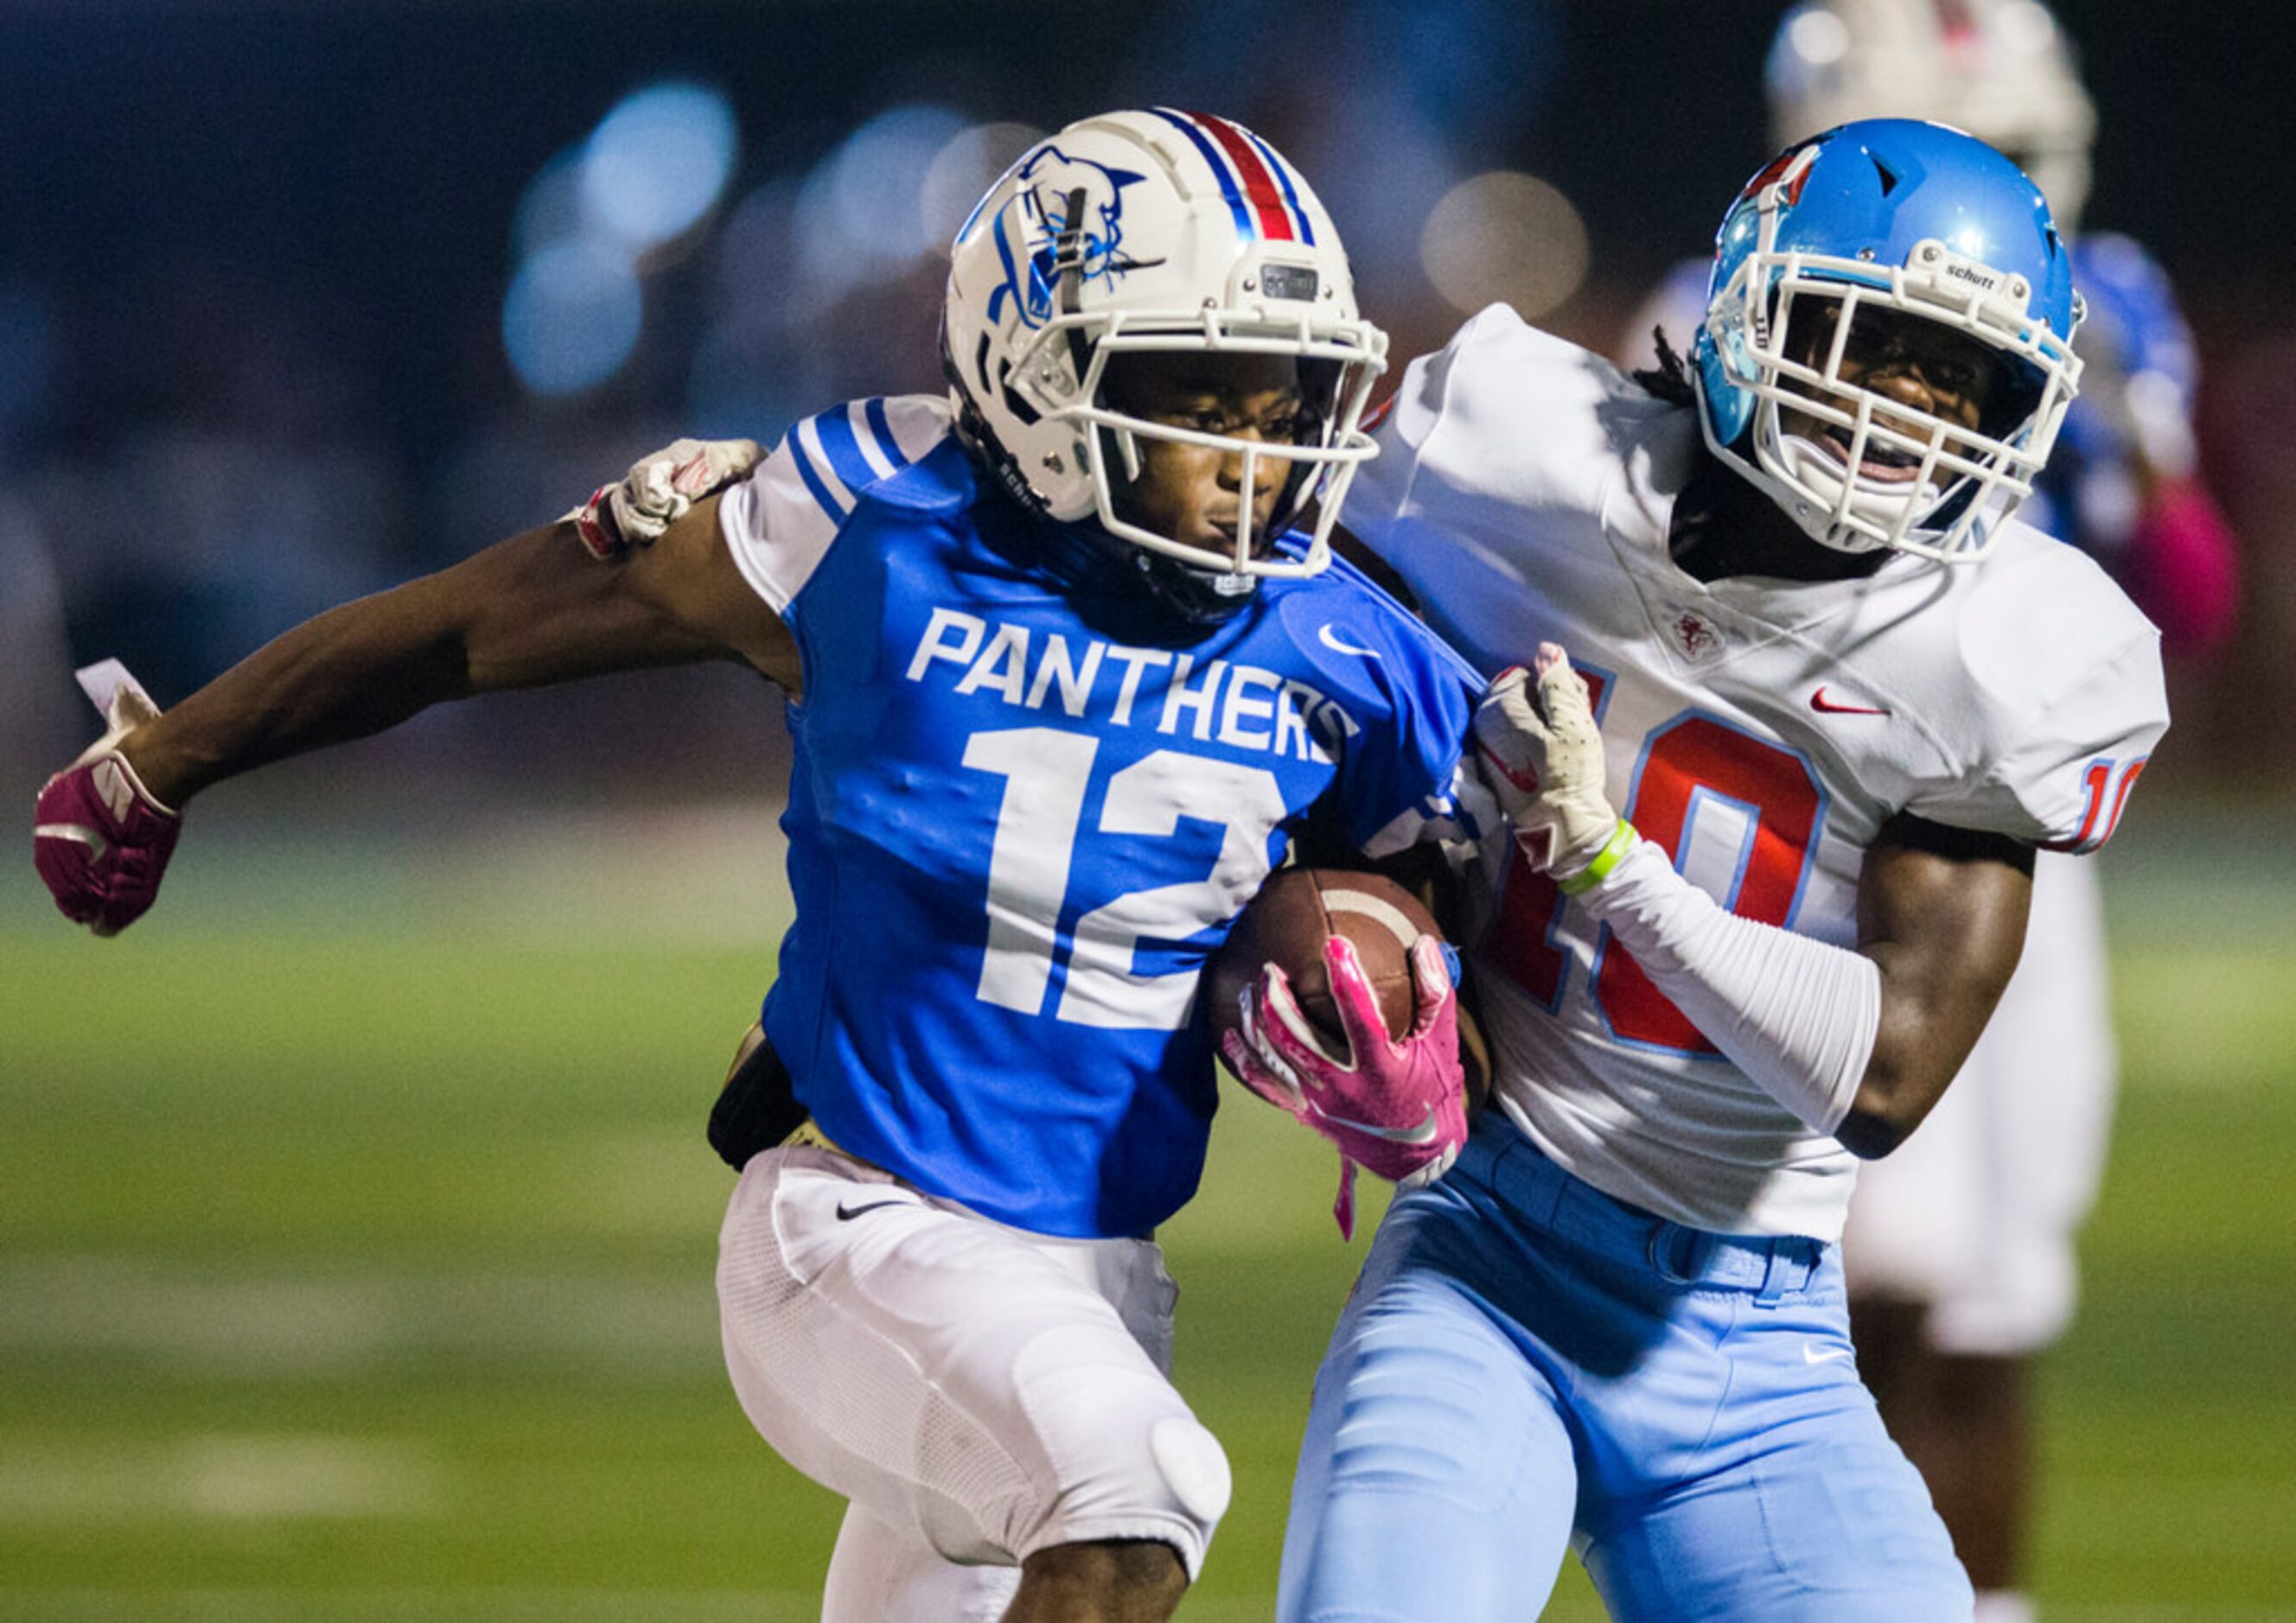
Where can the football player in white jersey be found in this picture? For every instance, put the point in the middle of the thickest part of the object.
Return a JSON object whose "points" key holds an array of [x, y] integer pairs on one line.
{"points": [[1070, 684], [1960, 1251], [1773, 847]]}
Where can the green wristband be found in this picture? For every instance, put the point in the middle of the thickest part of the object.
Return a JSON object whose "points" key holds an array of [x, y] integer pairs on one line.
{"points": [[1613, 852]]}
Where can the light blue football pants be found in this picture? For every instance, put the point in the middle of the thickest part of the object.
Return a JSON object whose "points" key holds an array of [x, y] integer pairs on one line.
{"points": [[1527, 1366]]}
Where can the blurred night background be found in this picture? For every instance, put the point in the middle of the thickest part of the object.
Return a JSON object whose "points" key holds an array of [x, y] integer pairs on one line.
{"points": [[299, 301], [296, 301]]}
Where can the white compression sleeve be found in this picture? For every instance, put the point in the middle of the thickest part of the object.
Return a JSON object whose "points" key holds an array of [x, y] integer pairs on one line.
{"points": [[1797, 1015]]}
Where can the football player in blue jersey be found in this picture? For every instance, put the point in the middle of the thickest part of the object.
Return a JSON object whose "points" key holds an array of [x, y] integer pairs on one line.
{"points": [[1063, 683], [1960, 1251]]}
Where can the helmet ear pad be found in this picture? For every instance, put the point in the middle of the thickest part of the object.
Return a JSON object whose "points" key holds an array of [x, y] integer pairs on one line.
{"points": [[1729, 409]]}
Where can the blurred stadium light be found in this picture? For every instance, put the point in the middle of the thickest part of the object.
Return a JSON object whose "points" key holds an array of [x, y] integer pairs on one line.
{"points": [[658, 162], [1504, 236], [572, 317], [961, 174], [595, 215], [862, 208], [1820, 38], [550, 208]]}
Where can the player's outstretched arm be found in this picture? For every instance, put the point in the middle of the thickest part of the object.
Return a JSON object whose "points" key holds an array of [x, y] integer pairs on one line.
{"points": [[1858, 1043], [525, 612], [533, 610]]}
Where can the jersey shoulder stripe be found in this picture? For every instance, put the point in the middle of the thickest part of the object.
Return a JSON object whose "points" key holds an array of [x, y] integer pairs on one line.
{"points": [[848, 450], [817, 469], [780, 522]]}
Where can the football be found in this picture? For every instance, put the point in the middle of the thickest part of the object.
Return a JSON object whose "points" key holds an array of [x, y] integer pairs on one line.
{"points": [[1287, 924]]}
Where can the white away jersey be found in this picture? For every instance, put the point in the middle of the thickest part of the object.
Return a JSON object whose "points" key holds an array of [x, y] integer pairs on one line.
{"points": [[1760, 731]]}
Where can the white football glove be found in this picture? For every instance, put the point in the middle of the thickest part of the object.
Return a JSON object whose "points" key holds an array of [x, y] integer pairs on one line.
{"points": [[657, 492], [1542, 754]]}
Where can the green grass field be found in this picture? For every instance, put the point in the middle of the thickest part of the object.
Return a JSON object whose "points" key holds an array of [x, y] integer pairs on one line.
{"points": [[356, 1231]]}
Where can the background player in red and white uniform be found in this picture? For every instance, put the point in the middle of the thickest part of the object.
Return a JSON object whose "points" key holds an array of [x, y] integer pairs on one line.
{"points": [[1843, 695]]}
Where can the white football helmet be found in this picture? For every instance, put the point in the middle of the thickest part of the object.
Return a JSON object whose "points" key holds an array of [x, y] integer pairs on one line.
{"points": [[1167, 231], [2002, 69]]}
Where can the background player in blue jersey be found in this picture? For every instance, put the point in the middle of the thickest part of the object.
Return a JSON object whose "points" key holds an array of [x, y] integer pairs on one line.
{"points": [[1960, 1251], [1769, 873], [1063, 686]]}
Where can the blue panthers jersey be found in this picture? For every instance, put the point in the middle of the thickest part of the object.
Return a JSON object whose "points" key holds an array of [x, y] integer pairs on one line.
{"points": [[1027, 802], [2136, 401]]}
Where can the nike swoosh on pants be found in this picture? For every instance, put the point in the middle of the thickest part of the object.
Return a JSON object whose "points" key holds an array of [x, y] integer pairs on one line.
{"points": [[847, 1213]]}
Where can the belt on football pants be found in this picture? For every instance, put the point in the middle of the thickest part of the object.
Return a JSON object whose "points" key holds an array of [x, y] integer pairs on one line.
{"points": [[1537, 1190]]}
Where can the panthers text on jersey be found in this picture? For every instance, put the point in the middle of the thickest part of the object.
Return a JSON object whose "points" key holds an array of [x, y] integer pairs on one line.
{"points": [[1762, 732], [1027, 802]]}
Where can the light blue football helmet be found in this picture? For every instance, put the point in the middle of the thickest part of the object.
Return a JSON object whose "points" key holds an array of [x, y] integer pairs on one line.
{"points": [[1873, 222]]}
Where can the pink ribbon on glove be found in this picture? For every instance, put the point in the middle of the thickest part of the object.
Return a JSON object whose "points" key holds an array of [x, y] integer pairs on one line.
{"points": [[1396, 1106]]}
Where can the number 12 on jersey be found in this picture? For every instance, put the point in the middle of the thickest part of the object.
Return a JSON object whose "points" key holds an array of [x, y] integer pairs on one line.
{"points": [[1034, 862]]}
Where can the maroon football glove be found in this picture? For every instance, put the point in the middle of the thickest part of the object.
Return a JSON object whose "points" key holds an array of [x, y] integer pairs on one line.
{"points": [[99, 840]]}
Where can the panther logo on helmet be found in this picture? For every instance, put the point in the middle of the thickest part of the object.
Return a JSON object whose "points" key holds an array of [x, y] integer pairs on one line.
{"points": [[1066, 205]]}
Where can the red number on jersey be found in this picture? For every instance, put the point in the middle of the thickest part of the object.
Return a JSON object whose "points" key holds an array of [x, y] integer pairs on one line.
{"points": [[1691, 760], [2102, 803]]}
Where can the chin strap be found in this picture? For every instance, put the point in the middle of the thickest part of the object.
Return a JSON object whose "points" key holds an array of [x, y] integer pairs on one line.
{"points": [[1198, 595], [1068, 275]]}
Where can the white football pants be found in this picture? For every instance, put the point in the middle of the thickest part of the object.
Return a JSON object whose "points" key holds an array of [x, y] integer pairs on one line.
{"points": [[978, 1392]]}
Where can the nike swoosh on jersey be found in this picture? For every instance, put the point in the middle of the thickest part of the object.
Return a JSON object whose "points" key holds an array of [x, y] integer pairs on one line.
{"points": [[1324, 636], [1425, 1133], [1812, 1353], [1824, 706], [846, 1214]]}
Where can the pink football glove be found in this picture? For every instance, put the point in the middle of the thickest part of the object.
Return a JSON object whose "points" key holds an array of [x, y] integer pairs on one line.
{"points": [[1397, 1107], [99, 839]]}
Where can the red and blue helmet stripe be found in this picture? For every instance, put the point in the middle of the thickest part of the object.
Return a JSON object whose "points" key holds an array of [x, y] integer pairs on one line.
{"points": [[1261, 192]]}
